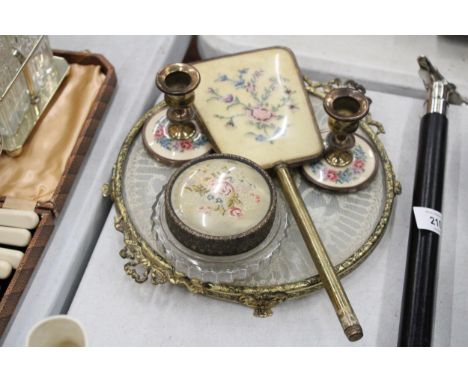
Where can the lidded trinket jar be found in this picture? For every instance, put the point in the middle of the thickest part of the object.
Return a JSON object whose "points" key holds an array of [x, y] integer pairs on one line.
{"points": [[220, 204]]}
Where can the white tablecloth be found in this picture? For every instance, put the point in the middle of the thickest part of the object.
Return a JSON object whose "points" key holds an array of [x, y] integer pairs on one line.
{"points": [[117, 311], [136, 60]]}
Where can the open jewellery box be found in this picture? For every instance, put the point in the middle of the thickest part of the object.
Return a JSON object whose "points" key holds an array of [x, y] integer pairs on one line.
{"points": [[41, 177]]}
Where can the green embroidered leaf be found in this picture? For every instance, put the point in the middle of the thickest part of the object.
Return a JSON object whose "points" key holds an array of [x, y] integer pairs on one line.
{"points": [[198, 188]]}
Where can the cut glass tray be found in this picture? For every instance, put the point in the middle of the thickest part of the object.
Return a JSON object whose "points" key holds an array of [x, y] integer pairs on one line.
{"points": [[350, 225]]}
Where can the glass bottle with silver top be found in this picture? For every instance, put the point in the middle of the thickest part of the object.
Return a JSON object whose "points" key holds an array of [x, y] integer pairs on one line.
{"points": [[29, 77]]}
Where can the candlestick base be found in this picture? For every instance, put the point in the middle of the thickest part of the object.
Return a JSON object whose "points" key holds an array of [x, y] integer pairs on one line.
{"points": [[347, 178], [161, 144]]}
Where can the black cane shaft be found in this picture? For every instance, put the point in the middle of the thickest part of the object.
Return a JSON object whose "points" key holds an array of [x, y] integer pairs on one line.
{"points": [[416, 320]]}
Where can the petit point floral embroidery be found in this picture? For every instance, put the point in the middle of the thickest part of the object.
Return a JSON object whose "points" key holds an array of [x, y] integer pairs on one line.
{"points": [[250, 100]]}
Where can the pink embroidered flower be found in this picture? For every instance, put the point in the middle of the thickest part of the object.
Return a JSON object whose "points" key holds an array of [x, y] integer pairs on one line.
{"points": [[255, 197], [158, 133], [224, 188], [234, 211], [261, 113], [228, 99], [186, 145], [358, 163], [332, 175]]}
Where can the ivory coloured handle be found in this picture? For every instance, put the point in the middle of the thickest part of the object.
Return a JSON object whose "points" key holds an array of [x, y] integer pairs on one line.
{"points": [[5, 269], [18, 218], [11, 256], [17, 237]]}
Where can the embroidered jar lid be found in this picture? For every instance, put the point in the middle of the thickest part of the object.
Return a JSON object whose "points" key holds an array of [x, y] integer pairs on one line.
{"points": [[220, 204]]}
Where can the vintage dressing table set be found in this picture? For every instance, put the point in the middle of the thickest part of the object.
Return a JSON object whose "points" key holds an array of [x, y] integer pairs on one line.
{"points": [[222, 226], [248, 183]]}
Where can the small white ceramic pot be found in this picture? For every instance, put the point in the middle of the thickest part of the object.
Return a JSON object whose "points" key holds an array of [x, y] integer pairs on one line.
{"points": [[57, 331]]}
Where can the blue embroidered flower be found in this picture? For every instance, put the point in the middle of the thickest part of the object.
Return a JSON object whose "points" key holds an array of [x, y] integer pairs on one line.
{"points": [[260, 138], [239, 83], [210, 197], [222, 77], [243, 71], [201, 140], [345, 176], [219, 200], [359, 152], [165, 142]]}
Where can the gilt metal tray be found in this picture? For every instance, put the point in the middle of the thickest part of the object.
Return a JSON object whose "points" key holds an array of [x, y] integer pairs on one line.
{"points": [[350, 225]]}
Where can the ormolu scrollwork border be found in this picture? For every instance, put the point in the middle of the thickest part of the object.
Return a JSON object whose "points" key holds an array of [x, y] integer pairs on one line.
{"points": [[144, 263]]}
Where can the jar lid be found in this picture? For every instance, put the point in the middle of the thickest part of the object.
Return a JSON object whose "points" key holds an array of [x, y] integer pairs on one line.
{"points": [[220, 204]]}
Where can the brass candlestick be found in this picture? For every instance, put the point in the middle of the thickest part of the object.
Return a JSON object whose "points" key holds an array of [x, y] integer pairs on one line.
{"points": [[346, 107], [349, 161], [178, 83], [174, 135]]}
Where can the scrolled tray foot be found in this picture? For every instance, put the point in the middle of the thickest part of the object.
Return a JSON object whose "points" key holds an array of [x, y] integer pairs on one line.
{"points": [[123, 253], [263, 312], [263, 305], [158, 277], [140, 276]]}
